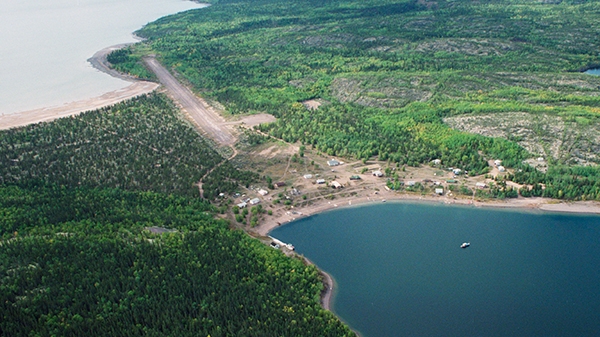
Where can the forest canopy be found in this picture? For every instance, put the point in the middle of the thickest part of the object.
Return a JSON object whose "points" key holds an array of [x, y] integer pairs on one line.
{"points": [[389, 73]]}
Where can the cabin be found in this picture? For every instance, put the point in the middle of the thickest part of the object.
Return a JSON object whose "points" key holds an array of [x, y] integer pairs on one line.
{"points": [[378, 173], [333, 162]]}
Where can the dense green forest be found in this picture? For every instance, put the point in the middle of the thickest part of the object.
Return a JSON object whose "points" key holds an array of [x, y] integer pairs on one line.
{"points": [[77, 261], [103, 233], [142, 144], [390, 72]]}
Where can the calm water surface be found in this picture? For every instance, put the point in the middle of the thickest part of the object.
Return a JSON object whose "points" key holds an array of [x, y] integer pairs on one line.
{"points": [[593, 72], [45, 45], [400, 272]]}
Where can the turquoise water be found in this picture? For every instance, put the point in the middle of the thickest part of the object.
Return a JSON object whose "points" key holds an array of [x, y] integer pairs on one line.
{"points": [[593, 72], [400, 272]]}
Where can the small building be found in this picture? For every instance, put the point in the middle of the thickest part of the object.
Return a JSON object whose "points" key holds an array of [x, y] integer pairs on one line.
{"points": [[355, 177], [378, 173], [501, 169], [411, 183], [457, 171], [335, 184], [320, 181], [263, 192], [480, 185], [242, 204], [255, 201], [451, 181], [279, 184], [497, 162], [437, 162], [439, 191], [307, 176], [333, 162]]}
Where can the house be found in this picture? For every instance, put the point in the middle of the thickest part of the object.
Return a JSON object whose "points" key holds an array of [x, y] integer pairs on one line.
{"points": [[439, 191], [335, 184], [333, 162], [320, 181], [255, 201], [242, 204], [279, 184], [307, 176], [501, 169], [378, 173], [263, 192]]}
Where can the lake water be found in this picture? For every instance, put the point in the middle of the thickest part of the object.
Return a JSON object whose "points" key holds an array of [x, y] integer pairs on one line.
{"points": [[593, 71], [399, 270], [45, 46]]}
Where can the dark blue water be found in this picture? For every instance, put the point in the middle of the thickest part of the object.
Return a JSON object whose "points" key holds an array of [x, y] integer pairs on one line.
{"points": [[400, 272]]}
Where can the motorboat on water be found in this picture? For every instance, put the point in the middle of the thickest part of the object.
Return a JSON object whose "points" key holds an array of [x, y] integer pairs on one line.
{"points": [[465, 245]]}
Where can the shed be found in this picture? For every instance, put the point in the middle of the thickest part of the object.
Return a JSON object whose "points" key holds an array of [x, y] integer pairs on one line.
{"points": [[378, 173], [457, 171], [242, 204], [320, 181], [307, 176], [497, 162], [263, 192], [335, 184], [411, 183], [439, 191], [480, 185], [437, 162], [255, 201], [333, 162], [501, 168], [279, 184]]}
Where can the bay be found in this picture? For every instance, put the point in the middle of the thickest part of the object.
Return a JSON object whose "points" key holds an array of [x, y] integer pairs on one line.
{"points": [[45, 46], [400, 271]]}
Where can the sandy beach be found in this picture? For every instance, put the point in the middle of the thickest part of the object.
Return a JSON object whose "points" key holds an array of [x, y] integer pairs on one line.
{"points": [[136, 88]]}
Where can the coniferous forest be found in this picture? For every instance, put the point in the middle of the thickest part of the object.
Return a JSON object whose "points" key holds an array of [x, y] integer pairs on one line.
{"points": [[103, 233]]}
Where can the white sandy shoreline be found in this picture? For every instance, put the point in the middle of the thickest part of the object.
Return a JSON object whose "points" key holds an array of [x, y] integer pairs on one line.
{"points": [[136, 88]]}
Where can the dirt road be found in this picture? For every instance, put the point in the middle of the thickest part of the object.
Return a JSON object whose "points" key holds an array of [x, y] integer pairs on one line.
{"points": [[201, 113]]}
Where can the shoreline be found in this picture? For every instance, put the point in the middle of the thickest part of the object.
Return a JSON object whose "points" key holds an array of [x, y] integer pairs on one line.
{"points": [[98, 61], [323, 205]]}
